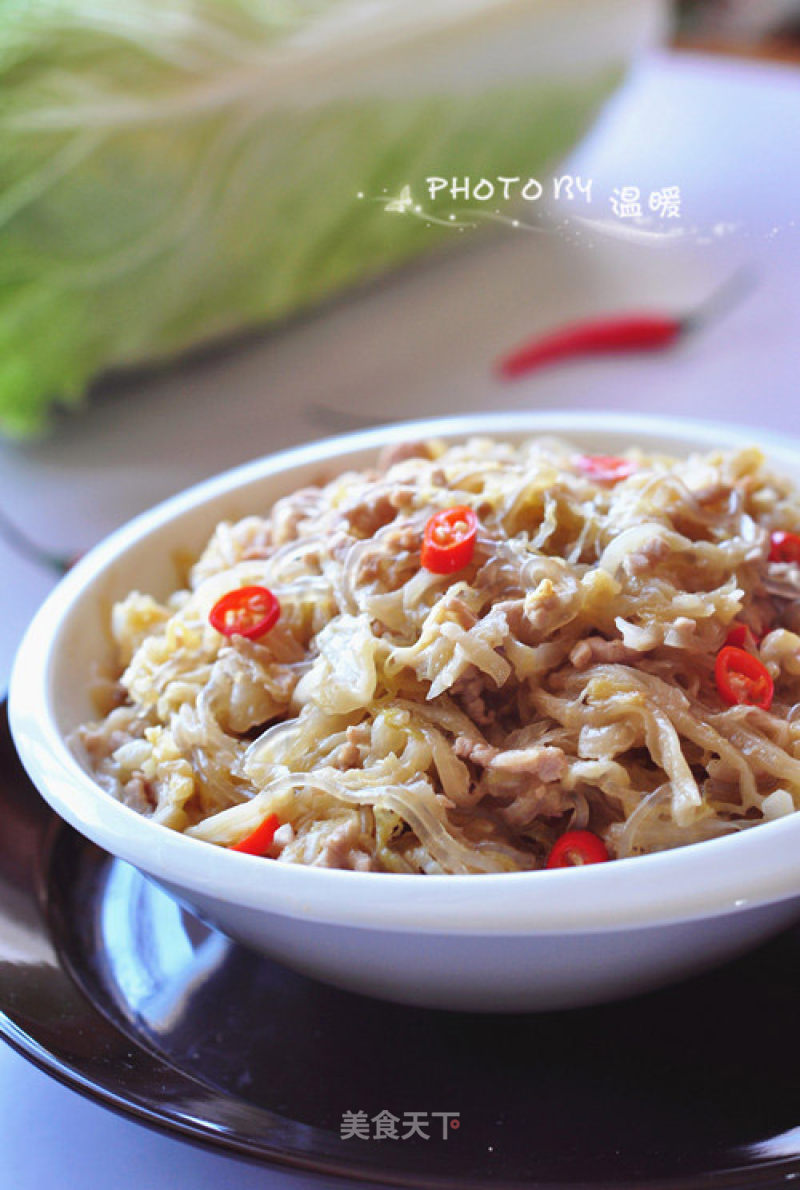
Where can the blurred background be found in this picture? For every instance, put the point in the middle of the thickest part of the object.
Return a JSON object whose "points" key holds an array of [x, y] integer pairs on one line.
{"points": [[178, 174], [770, 28]]}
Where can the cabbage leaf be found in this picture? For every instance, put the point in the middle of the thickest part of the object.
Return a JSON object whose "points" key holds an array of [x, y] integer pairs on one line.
{"points": [[174, 171]]}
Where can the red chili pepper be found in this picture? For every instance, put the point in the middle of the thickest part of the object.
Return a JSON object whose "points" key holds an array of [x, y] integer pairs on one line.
{"points": [[743, 680], [742, 636], [448, 542], [259, 841], [246, 611], [784, 547], [576, 848], [604, 468], [620, 333], [627, 332]]}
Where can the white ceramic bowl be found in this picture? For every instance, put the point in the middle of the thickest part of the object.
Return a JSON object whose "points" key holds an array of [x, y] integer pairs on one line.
{"points": [[516, 941]]}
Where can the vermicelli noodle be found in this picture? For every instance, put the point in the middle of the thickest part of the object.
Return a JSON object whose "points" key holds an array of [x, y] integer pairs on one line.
{"points": [[575, 672]]}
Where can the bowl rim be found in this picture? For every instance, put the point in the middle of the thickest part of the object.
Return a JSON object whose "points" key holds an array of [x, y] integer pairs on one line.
{"points": [[697, 880]]}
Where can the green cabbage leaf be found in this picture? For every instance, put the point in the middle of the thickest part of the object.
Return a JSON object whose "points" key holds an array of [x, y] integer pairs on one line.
{"points": [[175, 171]]}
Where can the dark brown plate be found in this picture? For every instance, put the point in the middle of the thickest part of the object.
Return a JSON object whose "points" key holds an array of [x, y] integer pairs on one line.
{"points": [[109, 986]]}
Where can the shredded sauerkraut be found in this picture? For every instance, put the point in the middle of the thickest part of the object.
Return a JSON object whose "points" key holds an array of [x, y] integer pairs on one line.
{"points": [[396, 719]]}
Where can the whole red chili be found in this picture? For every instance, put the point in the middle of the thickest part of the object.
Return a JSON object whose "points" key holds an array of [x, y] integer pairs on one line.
{"points": [[627, 332], [604, 468], [576, 848], [622, 332], [259, 841], [743, 680], [784, 547], [448, 542], [245, 611]]}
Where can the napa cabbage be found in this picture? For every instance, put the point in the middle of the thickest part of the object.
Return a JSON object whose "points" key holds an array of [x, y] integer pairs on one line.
{"points": [[174, 171]]}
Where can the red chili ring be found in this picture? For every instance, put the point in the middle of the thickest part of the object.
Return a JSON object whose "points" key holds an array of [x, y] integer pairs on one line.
{"points": [[245, 611], [784, 547], [743, 637], [743, 680], [448, 542], [259, 841], [576, 848], [604, 468]]}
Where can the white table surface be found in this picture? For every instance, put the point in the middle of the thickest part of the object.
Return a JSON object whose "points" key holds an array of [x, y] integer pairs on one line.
{"points": [[726, 133]]}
